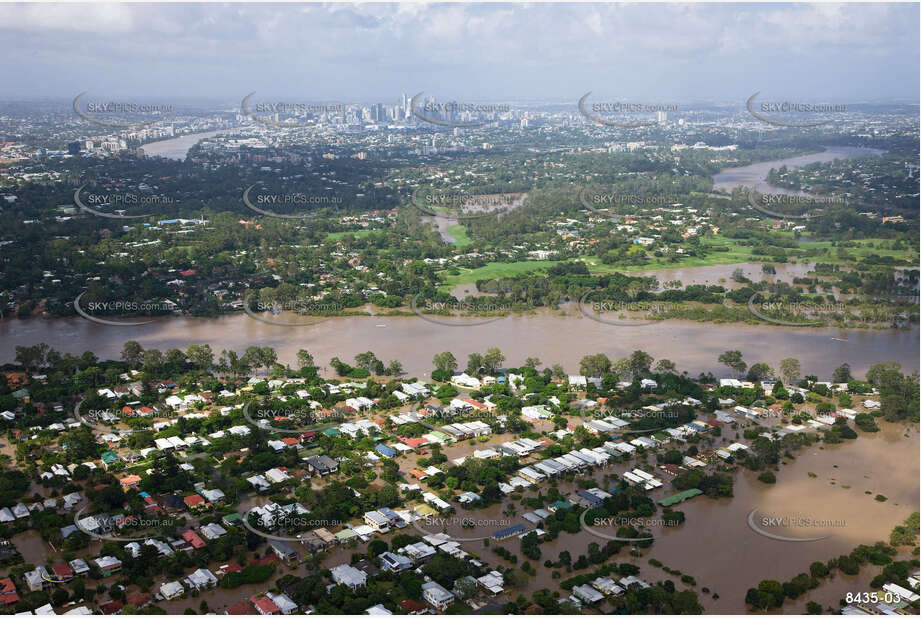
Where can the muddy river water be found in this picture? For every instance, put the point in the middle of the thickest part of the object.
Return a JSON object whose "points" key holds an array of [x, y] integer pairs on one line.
{"points": [[553, 336]]}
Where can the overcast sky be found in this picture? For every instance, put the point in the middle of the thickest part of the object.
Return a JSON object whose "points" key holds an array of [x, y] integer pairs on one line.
{"points": [[496, 52]]}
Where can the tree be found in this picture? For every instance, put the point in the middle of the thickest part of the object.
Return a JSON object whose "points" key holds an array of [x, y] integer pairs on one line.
{"points": [[394, 368], [558, 372], [260, 357], [175, 357], [200, 355], [790, 370], [131, 354], [304, 359], [594, 365], [666, 366], [376, 548], [445, 361], [877, 371], [32, 357], [733, 360], [365, 360], [842, 374], [493, 359], [152, 360], [640, 362], [898, 395], [465, 588], [252, 357], [232, 363], [474, 363], [759, 371], [532, 361]]}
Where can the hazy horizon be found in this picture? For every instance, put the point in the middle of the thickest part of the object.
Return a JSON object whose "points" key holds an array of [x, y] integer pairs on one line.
{"points": [[717, 53]]}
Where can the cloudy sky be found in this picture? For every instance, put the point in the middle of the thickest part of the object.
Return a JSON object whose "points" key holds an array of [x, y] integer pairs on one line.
{"points": [[496, 52]]}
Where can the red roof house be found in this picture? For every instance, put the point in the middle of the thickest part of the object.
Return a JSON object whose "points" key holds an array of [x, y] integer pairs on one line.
{"points": [[193, 539], [264, 605], [8, 594], [194, 501], [62, 571]]}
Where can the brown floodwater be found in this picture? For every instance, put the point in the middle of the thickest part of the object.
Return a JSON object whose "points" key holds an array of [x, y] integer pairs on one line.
{"points": [[716, 546], [553, 336], [721, 274], [32, 547]]}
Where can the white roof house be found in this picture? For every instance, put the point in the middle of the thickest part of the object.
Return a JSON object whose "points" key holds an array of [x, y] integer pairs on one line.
{"points": [[577, 382], [436, 595], [535, 413], [283, 602], [259, 482], [587, 594], [201, 578], [348, 575], [276, 475], [171, 590], [435, 501], [415, 389], [465, 381]]}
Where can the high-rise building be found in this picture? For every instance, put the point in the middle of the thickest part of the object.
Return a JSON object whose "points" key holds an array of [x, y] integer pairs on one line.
{"points": [[662, 117]]}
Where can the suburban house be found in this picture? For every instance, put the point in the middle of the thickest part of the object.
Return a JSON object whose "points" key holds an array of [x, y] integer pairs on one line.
{"points": [[437, 596], [348, 575], [284, 550], [322, 465]]}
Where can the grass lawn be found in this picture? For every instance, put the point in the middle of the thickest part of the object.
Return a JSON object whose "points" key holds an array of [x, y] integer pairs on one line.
{"points": [[865, 247], [493, 270], [356, 234], [736, 254], [459, 233]]}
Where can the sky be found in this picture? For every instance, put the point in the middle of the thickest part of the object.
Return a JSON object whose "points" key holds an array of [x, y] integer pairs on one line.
{"points": [[845, 53]]}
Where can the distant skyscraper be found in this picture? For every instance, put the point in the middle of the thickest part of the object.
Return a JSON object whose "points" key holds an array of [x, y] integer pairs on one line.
{"points": [[662, 117]]}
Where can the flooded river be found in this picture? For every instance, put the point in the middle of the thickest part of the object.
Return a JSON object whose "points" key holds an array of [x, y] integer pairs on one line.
{"points": [[553, 336], [753, 176], [178, 147]]}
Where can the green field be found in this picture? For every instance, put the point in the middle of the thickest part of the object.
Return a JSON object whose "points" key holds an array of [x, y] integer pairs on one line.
{"points": [[863, 249], [459, 233], [493, 270], [736, 254]]}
